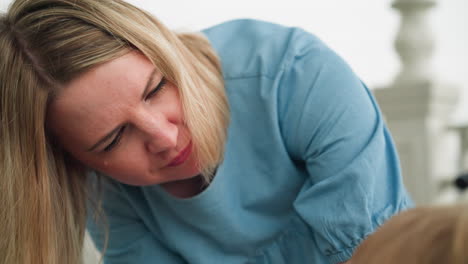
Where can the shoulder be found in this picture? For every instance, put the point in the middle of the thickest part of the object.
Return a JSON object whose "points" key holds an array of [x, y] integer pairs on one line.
{"points": [[249, 47]]}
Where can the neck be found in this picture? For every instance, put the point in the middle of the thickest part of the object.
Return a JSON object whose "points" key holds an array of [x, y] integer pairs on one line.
{"points": [[185, 188]]}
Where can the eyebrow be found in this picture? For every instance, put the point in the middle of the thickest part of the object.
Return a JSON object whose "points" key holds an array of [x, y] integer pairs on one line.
{"points": [[115, 130]]}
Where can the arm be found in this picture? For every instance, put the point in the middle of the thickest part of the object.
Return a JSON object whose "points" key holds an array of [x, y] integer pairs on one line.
{"points": [[129, 239], [333, 125]]}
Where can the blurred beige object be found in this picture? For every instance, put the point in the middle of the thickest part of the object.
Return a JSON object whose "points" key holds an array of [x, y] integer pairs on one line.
{"points": [[424, 235]]}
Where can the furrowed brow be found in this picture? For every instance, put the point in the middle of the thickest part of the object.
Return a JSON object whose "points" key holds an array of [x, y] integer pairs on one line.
{"points": [[115, 130]]}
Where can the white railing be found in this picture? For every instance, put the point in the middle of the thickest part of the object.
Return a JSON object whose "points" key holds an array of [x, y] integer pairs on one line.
{"points": [[417, 107]]}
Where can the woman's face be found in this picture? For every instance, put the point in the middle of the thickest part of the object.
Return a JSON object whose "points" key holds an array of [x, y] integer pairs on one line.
{"points": [[122, 118]]}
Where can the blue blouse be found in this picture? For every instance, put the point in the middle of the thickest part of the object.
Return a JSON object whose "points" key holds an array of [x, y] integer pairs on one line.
{"points": [[310, 168]]}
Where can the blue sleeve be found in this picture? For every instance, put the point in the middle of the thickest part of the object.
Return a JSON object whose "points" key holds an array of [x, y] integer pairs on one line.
{"points": [[333, 126], [129, 240]]}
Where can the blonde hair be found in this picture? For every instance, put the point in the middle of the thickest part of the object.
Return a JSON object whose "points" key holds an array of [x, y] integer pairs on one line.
{"points": [[47, 43], [429, 235]]}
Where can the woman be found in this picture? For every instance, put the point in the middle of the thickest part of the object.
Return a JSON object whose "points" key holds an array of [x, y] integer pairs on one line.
{"points": [[426, 235], [246, 143]]}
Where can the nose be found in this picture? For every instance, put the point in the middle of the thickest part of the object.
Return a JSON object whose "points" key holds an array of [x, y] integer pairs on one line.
{"points": [[159, 134]]}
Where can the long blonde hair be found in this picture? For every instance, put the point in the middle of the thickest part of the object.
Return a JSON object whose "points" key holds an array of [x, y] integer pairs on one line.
{"points": [[429, 235], [45, 44]]}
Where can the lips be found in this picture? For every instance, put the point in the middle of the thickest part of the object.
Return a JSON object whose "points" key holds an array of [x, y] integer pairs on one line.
{"points": [[182, 156]]}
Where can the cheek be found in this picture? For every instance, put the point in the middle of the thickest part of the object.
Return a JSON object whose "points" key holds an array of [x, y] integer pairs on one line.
{"points": [[119, 164], [105, 164], [123, 169], [132, 159]]}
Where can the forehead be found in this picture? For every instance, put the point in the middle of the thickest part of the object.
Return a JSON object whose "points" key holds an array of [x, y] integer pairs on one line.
{"points": [[115, 76], [96, 100]]}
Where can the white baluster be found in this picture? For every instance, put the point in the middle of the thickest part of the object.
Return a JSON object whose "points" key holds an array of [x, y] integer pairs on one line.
{"points": [[415, 41], [417, 106]]}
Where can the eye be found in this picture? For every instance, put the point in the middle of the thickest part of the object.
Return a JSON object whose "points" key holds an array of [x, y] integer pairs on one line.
{"points": [[115, 141], [158, 88]]}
